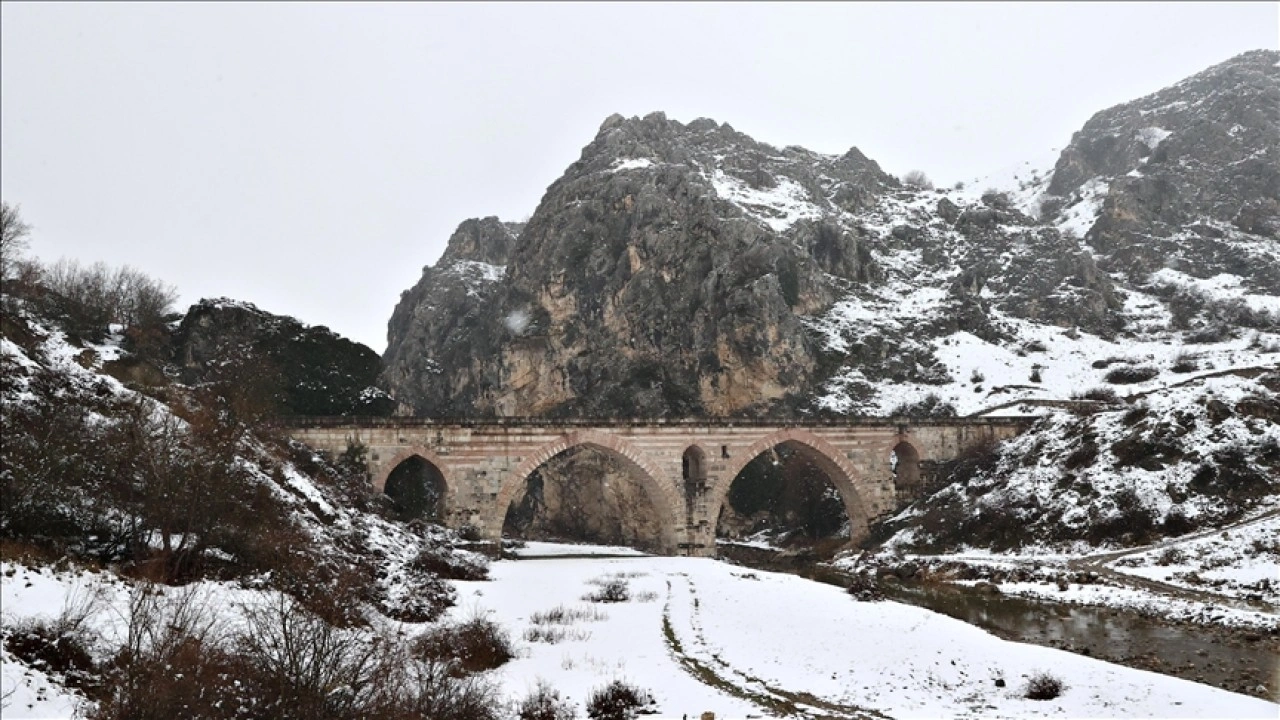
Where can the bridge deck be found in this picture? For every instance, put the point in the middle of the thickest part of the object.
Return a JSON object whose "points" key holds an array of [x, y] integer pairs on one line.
{"points": [[714, 422]]}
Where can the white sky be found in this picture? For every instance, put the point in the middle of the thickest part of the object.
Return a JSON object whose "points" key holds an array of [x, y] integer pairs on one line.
{"points": [[312, 158]]}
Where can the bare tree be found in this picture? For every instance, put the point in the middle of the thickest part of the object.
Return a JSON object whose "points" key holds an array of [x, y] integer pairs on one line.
{"points": [[13, 238], [917, 179]]}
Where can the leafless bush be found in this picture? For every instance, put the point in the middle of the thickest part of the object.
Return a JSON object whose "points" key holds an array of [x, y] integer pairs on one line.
{"points": [[449, 565], [1129, 375], [474, 644], [646, 596], [612, 591], [431, 690], [544, 703], [552, 635], [561, 615], [917, 179], [13, 238], [175, 661], [618, 700], [303, 666], [1185, 362], [1100, 394], [89, 297], [1043, 686]]}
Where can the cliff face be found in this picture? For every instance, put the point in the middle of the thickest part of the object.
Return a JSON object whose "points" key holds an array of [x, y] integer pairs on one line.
{"points": [[1190, 176], [664, 274]]}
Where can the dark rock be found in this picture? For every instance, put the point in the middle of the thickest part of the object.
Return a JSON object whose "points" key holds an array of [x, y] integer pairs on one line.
{"points": [[276, 362]]}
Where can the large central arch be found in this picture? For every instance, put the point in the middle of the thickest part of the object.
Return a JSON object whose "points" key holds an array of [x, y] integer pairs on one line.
{"points": [[650, 476], [847, 481]]}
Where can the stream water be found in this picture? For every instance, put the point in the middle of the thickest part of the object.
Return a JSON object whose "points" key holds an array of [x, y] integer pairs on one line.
{"points": [[1245, 661]]}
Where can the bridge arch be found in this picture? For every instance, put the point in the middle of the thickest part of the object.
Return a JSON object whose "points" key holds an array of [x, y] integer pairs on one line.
{"points": [[905, 463], [652, 479], [433, 461], [846, 479]]}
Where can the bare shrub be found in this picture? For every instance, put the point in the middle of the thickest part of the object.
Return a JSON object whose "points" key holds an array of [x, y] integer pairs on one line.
{"points": [[554, 634], [544, 703], [449, 565], [561, 615], [474, 645], [917, 179], [56, 649], [646, 596], [1043, 686], [1177, 523], [433, 691], [1100, 394], [303, 666], [929, 406], [994, 198], [618, 700], [89, 297], [611, 591], [1131, 374], [175, 662], [1185, 362], [13, 238], [1171, 556]]}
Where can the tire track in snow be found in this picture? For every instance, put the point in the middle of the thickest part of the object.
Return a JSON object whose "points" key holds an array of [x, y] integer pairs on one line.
{"points": [[1101, 564], [718, 673]]}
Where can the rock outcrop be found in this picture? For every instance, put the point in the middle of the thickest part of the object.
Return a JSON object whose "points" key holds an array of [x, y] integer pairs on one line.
{"points": [[294, 369]]}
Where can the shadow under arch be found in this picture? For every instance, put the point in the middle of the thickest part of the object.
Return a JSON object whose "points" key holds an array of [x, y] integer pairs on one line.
{"points": [[905, 462], [418, 483], [651, 478], [830, 460]]}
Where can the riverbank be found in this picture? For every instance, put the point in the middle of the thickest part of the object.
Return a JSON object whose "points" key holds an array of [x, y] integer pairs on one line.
{"points": [[1026, 605]]}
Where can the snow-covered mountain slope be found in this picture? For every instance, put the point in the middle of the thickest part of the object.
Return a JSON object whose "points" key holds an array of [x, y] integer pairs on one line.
{"points": [[106, 488]]}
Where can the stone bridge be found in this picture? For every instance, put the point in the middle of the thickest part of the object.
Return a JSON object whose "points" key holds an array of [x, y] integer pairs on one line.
{"points": [[685, 466]]}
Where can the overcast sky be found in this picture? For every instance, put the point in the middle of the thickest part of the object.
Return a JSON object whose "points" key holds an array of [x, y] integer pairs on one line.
{"points": [[311, 159]]}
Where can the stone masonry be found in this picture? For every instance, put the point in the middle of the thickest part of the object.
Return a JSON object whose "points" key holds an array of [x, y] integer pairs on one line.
{"points": [[485, 463]]}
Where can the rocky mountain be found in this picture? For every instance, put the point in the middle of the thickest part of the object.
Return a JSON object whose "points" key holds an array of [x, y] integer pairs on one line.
{"points": [[689, 270]]}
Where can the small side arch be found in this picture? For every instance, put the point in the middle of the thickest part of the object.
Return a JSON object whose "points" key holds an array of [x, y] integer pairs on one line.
{"points": [[380, 478], [416, 481], [847, 481], [904, 460], [651, 478]]}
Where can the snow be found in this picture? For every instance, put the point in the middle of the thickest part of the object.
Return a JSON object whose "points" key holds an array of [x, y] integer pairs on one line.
{"points": [[477, 276], [1076, 219], [28, 692], [1152, 136], [1226, 561], [777, 208], [1223, 286], [1024, 182], [533, 548], [779, 638], [630, 164]]}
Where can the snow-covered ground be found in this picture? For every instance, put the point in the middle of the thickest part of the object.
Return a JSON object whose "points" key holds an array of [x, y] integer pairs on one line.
{"points": [[766, 641], [1221, 568], [533, 548], [1239, 562]]}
